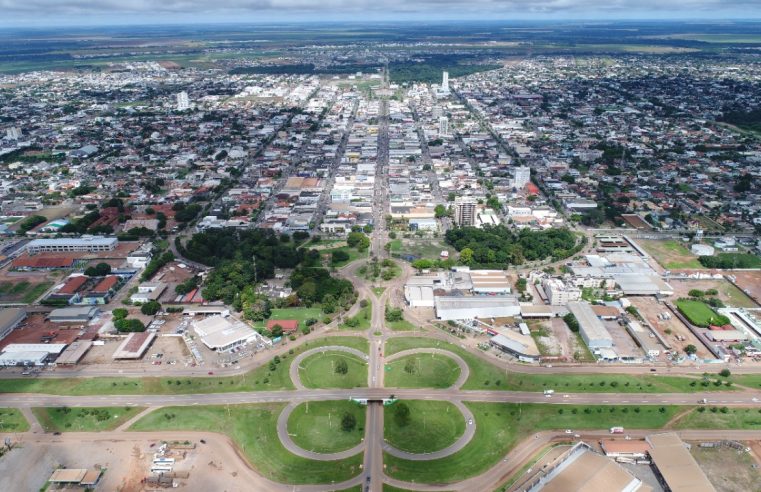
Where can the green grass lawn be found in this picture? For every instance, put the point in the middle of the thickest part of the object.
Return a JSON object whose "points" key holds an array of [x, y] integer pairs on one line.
{"points": [[712, 417], [298, 313], [24, 292], [12, 420], [378, 291], [83, 419], [699, 313], [401, 325], [264, 378], [671, 254], [421, 371], [319, 371], [354, 255], [316, 426], [361, 320], [735, 297], [501, 425], [433, 425], [254, 430], [484, 375]]}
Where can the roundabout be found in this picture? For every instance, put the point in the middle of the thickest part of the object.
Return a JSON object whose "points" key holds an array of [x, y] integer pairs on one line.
{"points": [[315, 430], [425, 368], [321, 368]]}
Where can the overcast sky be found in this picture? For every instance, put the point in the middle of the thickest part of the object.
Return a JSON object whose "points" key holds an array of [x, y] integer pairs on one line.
{"points": [[84, 12]]}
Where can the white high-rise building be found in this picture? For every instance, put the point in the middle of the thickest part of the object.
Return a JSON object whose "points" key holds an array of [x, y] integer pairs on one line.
{"points": [[522, 176], [183, 102], [465, 210], [445, 82], [443, 126], [13, 133]]}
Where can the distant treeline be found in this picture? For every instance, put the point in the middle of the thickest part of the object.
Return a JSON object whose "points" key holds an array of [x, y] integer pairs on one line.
{"points": [[747, 120], [430, 70], [304, 69]]}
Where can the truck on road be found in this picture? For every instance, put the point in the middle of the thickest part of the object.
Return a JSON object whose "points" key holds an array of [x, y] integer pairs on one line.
{"points": [[616, 430]]}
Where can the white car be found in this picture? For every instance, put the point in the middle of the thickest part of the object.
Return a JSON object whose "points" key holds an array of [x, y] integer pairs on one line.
{"points": [[568, 431]]}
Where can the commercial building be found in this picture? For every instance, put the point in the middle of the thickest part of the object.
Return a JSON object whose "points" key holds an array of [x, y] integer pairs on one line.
{"points": [[675, 467], [135, 345], [10, 318], [515, 348], [559, 293], [522, 177], [591, 329], [71, 245], [222, 335], [73, 314], [470, 307], [30, 354], [580, 469], [74, 352], [148, 291], [465, 211], [490, 282]]}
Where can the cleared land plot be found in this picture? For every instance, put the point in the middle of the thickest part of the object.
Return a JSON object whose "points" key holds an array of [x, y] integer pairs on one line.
{"points": [[266, 377], [501, 425], [301, 314], [672, 330], [317, 426], [322, 371], [422, 248], [11, 420], [727, 293], [433, 425], [421, 371], [729, 470], [484, 375], [749, 283], [670, 254], [83, 419], [254, 430]]}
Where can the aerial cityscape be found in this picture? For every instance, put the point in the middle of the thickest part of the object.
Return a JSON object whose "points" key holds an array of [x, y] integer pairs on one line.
{"points": [[425, 246]]}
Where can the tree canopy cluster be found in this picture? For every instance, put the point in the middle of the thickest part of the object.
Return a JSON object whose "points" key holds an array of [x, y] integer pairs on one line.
{"points": [[731, 260], [498, 246]]}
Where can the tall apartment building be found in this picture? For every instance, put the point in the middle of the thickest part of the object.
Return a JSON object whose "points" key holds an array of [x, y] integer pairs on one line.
{"points": [[445, 82], [183, 102], [522, 176], [465, 211], [443, 126], [560, 294]]}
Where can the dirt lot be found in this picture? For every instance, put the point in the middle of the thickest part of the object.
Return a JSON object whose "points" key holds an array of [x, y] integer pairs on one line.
{"points": [[649, 308], [728, 293], [750, 283], [729, 470], [127, 458], [624, 344], [172, 348]]}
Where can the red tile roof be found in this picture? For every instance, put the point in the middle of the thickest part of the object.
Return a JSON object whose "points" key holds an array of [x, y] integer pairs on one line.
{"points": [[106, 284], [72, 285], [288, 325]]}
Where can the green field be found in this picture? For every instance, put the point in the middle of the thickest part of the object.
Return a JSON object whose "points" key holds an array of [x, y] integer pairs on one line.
{"points": [[254, 430], [378, 291], [263, 378], [22, 291], [354, 255], [83, 419], [12, 420], [316, 426], [712, 417], [401, 325], [671, 254], [700, 313], [433, 425], [484, 375], [500, 426], [361, 320], [421, 371], [319, 371]]}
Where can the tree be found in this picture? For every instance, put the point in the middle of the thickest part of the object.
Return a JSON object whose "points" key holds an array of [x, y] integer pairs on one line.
{"points": [[696, 293], [440, 211], [725, 373], [99, 270], [409, 366], [402, 414], [339, 256], [341, 367], [690, 349], [277, 331], [358, 240], [572, 322], [119, 313], [150, 308], [129, 325], [422, 264], [348, 422], [466, 256]]}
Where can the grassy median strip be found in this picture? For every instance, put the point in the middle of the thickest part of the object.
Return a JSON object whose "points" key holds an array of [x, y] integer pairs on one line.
{"points": [[12, 420], [486, 376], [83, 419], [254, 430], [421, 371], [268, 377], [322, 426], [714, 417], [500, 426], [429, 426]]}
